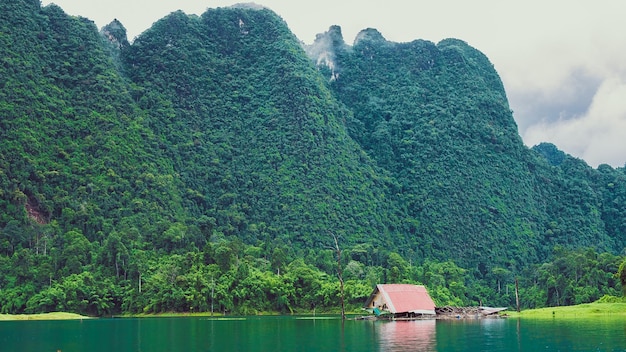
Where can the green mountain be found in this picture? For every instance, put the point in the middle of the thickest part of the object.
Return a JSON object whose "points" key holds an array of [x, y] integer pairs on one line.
{"points": [[437, 118], [77, 153], [255, 134], [218, 146]]}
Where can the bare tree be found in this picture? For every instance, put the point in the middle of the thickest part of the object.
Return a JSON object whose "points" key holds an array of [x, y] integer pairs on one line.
{"points": [[340, 275]]}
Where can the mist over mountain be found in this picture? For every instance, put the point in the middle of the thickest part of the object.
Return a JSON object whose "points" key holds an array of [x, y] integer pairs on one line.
{"points": [[217, 145]]}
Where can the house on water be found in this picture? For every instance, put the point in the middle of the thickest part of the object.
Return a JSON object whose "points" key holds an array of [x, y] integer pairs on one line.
{"points": [[400, 301]]}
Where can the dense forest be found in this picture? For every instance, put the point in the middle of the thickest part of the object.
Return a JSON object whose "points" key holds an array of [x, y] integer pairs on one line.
{"points": [[210, 164]]}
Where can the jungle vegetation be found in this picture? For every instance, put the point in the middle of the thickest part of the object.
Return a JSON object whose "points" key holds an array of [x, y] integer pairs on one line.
{"points": [[210, 163]]}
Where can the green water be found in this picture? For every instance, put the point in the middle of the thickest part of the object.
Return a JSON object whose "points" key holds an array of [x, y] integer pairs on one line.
{"points": [[307, 334]]}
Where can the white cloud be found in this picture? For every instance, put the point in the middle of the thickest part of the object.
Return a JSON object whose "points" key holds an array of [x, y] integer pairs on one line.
{"points": [[598, 136]]}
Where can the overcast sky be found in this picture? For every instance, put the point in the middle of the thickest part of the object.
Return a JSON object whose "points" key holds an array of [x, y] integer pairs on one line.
{"points": [[563, 62]]}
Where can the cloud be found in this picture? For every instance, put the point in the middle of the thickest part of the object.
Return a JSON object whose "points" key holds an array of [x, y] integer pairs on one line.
{"points": [[533, 103], [597, 136], [564, 81]]}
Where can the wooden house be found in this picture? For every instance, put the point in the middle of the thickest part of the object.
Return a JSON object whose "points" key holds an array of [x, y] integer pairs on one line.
{"points": [[400, 301]]}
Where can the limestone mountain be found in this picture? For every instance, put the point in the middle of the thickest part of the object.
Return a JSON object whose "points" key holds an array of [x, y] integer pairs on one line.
{"points": [[254, 132], [217, 145], [436, 117], [75, 151]]}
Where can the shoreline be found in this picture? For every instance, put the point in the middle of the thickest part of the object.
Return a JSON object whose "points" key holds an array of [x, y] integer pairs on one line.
{"points": [[596, 309], [43, 316]]}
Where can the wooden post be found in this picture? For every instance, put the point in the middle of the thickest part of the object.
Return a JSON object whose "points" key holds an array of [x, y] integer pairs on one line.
{"points": [[517, 295]]}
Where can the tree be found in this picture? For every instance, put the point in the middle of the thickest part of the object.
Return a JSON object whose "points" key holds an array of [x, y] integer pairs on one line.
{"points": [[12, 235], [501, 275], [340, 276], [621, 273], [115, 254], [397, 267], [76, 252]]}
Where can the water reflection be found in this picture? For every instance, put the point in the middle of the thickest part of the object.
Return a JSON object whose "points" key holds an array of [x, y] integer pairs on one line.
{"points": [[415, 335], [312, 335]]}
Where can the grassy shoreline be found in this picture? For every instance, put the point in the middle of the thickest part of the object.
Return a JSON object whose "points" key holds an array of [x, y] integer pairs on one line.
{"points": [[43, 316], [73, 316], [595, 309]]}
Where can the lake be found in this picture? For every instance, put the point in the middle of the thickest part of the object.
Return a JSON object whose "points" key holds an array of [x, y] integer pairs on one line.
{"points": [[313, 334]]}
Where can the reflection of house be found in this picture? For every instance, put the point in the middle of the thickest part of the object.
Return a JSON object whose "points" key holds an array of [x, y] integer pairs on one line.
{"points": [[400, 300], [417, 335]]}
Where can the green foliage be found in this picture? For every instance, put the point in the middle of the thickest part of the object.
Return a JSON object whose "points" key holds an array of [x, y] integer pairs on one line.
{"points": [[572, 277], [81, 293], [437, 118], [203, 166], [553, 155], [621, 275], [611, 299], [253, 131]]}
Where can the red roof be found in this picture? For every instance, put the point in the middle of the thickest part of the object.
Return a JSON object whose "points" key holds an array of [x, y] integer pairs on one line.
{"points": [[402, 298]]}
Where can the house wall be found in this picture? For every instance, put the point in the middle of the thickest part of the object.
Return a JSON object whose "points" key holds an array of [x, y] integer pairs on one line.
{"points": [[378, 302]]}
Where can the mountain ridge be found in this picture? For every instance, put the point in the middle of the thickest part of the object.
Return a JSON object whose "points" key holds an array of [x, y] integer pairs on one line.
{"points": [[214, 134]]}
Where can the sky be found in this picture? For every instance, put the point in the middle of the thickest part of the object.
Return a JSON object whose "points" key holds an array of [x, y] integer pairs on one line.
{"points": [[562, 62]]}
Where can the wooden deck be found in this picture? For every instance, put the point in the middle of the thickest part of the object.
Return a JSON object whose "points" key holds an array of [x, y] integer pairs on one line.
{"points": [[444, 313]]}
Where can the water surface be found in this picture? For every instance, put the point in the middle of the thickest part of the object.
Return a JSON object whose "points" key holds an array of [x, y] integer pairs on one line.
{"points": [[313, 334]]}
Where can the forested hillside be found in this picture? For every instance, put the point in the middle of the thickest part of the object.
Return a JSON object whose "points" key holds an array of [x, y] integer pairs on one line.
{"points": [[253, 131], [211, 163], [436, 116]]}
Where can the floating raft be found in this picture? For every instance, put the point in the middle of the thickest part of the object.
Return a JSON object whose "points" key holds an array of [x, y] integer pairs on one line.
{"points": [[468, 312]]}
